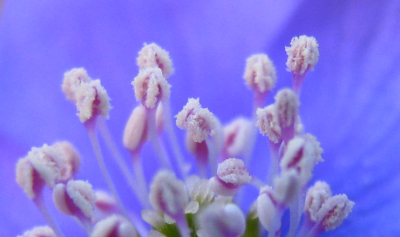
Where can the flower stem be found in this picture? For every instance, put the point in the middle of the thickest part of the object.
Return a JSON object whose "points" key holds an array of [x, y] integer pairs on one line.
{"points": [[90, 126], [105, 132], [212, 154], [162, 154], [41, 205], [141, 180], [295, 215], [297, 83], [274, 157], [183, 167]]}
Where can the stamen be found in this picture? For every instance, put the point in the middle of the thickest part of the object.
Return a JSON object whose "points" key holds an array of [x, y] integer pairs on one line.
{"points": [[42, 166], [135, 133], [287, 187], [236, 134], [268, 123], [92, 100], [71, 158], [260, 76], [302, 54], [199, 190], [269, 211], [114, 226], [154, 218], [168, 195], [140, 193], [315, 198], [73, 80], [40, 231], [231, 175], [260, 73], [91, 130], [301, 155], [334, 211], [199, 122], [200, 150], [201, 125], [184, 167], [105, 203], [220, 220], [154, 233], [76, 199], [152, 55], [151, 87]]}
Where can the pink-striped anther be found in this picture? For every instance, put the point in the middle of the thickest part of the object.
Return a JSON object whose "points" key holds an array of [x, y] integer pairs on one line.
{"points": [[333, 211], [268, 209], [92, 100], [302, 54], [151, 87], [260, 73], [231, 175], [152, 55], [168, 194], [135, 133], [221, 220], [40, 231], [287, 107], [75, 198], [42, 166], [105, 202], [71, 158], [315, 197], [287, 186], [268, 123], [73, 79], [199, 122], [236, 136], [114, 226], [199, 189]]}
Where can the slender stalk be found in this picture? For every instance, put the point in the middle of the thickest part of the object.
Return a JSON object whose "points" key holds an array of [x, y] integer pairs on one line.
{"points": [[274, 157], [41, 205], [276, 231], [294, 216], [256, 182], [105, 132], [183, 167], [297, 83], [162, 154], [183, 226], [258, 101], [212, 154], [90, 126], [85, 224], [314, 231], [141, 180]]}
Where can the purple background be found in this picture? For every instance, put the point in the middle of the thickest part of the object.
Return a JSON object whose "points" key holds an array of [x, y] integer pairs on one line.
{"points": [[351, 102]]}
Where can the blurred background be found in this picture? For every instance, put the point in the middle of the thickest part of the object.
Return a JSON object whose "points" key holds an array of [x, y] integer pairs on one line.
{"points": [[351, 102]]}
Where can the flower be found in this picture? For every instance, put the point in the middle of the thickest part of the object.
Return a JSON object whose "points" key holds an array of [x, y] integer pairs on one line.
{"points": [[349, 102]]}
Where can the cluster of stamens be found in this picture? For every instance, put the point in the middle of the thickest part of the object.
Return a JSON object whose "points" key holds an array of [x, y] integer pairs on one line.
{"points": [[183, 200]]}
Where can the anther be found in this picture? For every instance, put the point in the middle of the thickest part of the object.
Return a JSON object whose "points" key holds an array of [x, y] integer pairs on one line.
{"points": [[152, 55], [40, 231], [302, 54], [268, 123], [151, 87], [260, 73], [220, 220], [231, 175]]}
